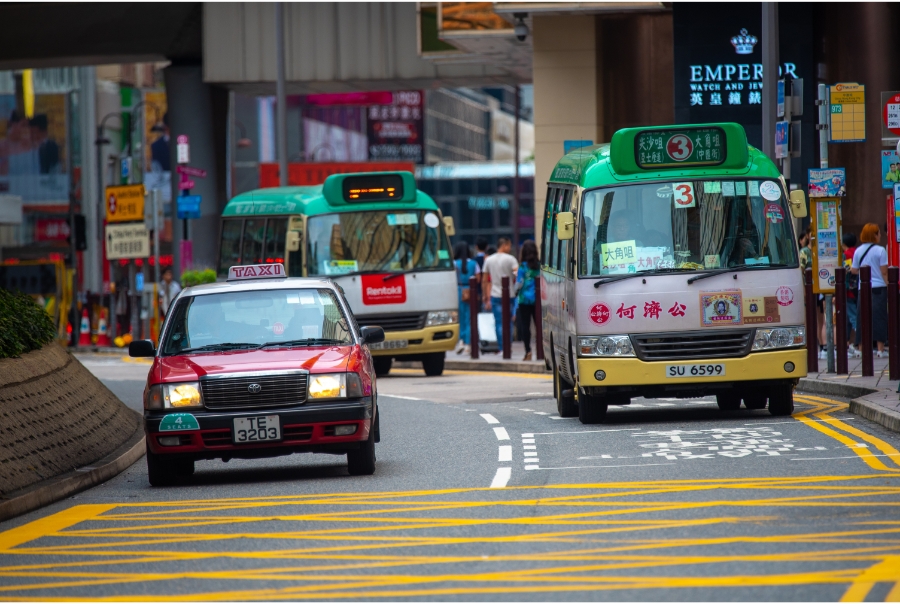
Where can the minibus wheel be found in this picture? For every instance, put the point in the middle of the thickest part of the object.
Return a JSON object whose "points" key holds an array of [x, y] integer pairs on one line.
{"points": [[755, 399], [433, 364], [591, 409], [382, 365], [728, 401], [781, 400], [565, 405]]}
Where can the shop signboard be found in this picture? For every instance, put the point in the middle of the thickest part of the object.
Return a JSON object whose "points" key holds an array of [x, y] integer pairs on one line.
{"points": [[396, 132], [847, 114]]}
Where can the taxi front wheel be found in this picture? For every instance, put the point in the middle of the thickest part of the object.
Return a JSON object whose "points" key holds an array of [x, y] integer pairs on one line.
{"points": [[164, 472], [362, 461]]}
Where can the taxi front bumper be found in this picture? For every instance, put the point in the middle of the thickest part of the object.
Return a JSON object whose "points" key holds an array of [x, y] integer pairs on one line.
{"points": [[633, 374], [308, 428], [440, 338]]}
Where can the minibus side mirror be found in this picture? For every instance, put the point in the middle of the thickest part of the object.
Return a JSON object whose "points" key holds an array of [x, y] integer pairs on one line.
{"points": [[141, 348], [565, 225], [371, 334], [293, 241], [798, 204], [449, 226]]}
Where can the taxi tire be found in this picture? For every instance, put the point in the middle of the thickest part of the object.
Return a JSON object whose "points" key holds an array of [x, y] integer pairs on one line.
{"points": [[164, 472], [781, 400], [755, 400], [361, 462], [433, 364], [591, 409], [728, 401], [382, 365], [565, 405]]}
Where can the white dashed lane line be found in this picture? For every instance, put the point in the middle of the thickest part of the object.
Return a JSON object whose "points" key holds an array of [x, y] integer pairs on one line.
{"points": [[504, 453], [490, 418], [501, 478], [501, 433]]}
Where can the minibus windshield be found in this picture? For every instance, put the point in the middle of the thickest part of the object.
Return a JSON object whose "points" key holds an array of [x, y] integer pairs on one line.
{"points": [[687, 225], [389, 241]]}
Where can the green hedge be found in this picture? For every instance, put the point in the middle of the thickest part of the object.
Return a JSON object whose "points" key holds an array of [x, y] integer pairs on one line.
{"points": [[24, 326], [190, 278]]}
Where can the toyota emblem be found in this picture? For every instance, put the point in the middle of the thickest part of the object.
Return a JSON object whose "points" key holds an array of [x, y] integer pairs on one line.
{"points": [[254, 388]]}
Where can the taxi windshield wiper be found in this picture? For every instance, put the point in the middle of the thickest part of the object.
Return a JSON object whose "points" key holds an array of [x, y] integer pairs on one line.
{"points": [[218, 347], [739, 267], [303, 342], [655, 271]]}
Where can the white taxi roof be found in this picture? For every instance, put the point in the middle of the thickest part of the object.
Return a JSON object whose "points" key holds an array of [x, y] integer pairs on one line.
{"points": [[259, 277]]}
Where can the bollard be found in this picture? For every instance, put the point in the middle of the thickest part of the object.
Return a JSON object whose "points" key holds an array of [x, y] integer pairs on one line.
{"points": [[893, 323], [538, 322], [506, 317], [840, 315], [865, 319], [474, 340], [812, 327]]}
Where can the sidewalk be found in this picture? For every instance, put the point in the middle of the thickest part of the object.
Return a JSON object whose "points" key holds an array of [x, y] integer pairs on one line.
{"points": [[488, 362]]}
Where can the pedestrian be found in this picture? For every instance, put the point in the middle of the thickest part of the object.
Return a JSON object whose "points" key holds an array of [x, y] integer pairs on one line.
{"points": [[806, 262], [168, 290], [465, 269], [481, 245], [852, 283], [805, 252], [529, 272], [874, 256], [499, 265]]}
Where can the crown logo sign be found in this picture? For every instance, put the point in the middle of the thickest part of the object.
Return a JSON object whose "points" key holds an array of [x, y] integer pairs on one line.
{"points": [[744, 43]]}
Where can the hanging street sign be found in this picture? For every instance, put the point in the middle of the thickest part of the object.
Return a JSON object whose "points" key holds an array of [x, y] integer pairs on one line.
{"points": [[188, 206], [186, 185], [847, 115], [183, 149], [188, 170], [127, 241], [125, 203]]}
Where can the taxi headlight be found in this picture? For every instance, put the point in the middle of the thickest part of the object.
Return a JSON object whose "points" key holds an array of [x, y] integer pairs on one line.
{"points": [[173, 396], [605, 346], [442, 317], [779, 337], [334, 385]]}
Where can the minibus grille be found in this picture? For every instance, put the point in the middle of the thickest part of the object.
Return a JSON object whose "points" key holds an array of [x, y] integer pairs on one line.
{"points": [[254, 391], [692, 345], [407, 321]]}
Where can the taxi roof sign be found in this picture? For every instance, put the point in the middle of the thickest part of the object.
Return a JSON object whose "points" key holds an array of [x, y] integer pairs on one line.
{"points": [[638, 150], [256, 271]]}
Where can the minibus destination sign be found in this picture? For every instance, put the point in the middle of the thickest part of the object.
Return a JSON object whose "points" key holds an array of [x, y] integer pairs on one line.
{"points": [[680, 148], [373, 187]]}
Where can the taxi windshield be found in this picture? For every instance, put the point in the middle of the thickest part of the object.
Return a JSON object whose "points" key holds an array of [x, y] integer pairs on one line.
{"points": [[685, 225], [377, 241], [253, 319]]}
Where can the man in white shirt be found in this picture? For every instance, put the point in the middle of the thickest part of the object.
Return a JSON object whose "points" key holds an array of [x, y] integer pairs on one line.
{"points": [[496, 266], [168, 289]]}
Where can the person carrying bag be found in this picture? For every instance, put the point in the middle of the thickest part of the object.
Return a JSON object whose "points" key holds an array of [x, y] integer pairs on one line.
{"points": [[466, 267]]}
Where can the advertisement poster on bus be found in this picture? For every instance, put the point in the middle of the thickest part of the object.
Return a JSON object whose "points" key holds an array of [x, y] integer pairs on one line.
{"points": [[890, 168], [396, 132], [831, 182], [34, 151]]}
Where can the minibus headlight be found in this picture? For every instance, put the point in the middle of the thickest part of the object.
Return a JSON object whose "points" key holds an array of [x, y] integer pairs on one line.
{"points": [[779, 337], [605, 346], [442, 317]]}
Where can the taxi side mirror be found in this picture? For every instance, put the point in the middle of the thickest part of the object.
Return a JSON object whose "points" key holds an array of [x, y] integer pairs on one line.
{"points": [[293, 241], [798, 204], [565, 225], [371, 334], [449, 226], [141, 348]]}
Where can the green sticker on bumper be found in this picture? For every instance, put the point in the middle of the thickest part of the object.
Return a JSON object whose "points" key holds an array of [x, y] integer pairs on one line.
{"points": [[178, 421]]}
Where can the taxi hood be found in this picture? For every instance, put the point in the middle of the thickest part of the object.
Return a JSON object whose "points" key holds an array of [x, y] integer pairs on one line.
{"points": [[321, 359]]}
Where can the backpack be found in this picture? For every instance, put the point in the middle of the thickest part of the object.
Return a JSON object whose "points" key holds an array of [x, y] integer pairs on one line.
{"points": [[853, 280]]}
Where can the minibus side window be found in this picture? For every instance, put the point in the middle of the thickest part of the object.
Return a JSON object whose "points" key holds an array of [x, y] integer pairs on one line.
{"points": [[563, 202], [549, 228]]}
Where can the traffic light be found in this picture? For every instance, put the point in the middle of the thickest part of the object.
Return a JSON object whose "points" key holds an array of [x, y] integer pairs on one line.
{"points": [[80, 236]]}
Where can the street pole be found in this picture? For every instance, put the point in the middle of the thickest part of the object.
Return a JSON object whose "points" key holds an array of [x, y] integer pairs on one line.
{"points": [[822, 127], [514, 214], [770, 76], [281, 99]]}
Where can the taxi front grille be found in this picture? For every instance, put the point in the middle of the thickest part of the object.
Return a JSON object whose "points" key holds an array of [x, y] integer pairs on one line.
{"points": [[254, 390], [407, 321], [692, 345]]}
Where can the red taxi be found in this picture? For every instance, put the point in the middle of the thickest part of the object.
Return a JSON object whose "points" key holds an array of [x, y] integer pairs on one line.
{"points": [[259, 366]]}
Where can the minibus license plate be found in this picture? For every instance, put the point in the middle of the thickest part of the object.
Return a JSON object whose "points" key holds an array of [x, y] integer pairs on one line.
{"points": [[257, 429], [695, 371], [389, 345]]}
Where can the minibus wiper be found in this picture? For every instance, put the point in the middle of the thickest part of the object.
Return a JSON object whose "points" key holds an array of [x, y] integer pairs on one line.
{"points": [[740, 267]]}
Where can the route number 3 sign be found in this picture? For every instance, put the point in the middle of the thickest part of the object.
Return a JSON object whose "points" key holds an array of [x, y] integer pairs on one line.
{"points": [[684, 195]]}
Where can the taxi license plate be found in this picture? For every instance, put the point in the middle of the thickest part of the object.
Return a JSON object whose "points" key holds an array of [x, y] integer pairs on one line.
{"points": [[389, 345], [257, 429], [695, 371]]}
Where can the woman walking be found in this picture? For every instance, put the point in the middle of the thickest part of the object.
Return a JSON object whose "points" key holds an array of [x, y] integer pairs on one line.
{"points": [[529, 271], [870, 254], [466, 267]]}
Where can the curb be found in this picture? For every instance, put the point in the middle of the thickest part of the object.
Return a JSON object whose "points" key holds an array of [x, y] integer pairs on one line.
{"points": [[858, 405], [878, 414], [497, 366], [833, 388], [59, 487]]}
